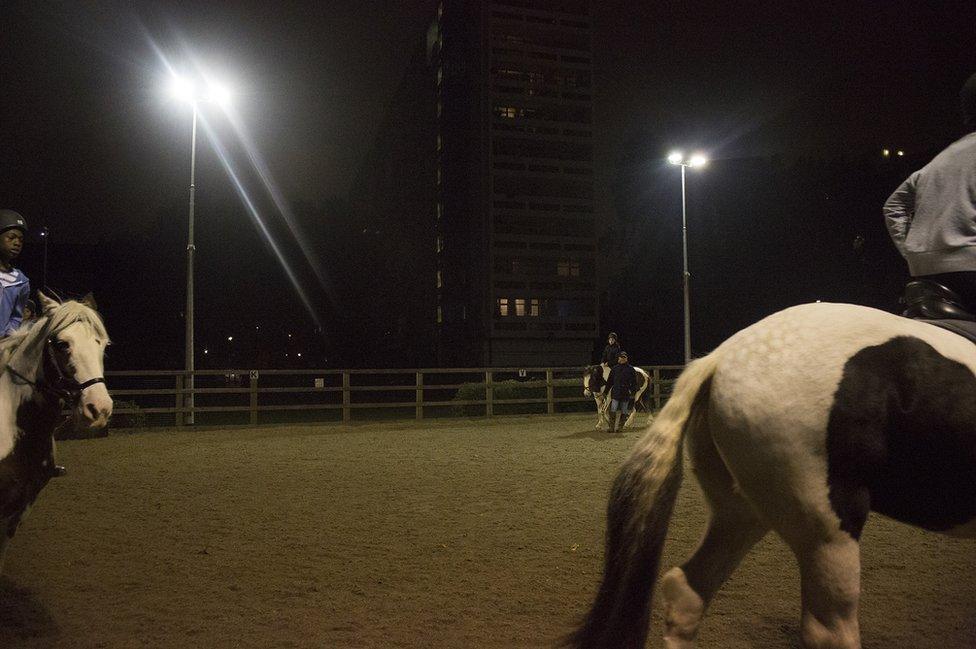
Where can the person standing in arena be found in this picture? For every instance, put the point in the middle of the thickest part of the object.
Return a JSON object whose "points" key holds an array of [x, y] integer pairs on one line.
{"points": [[621, 385], [14, 285]]}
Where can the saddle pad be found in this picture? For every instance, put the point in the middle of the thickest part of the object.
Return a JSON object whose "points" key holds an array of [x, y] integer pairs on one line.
{"points": [[964, 328]]}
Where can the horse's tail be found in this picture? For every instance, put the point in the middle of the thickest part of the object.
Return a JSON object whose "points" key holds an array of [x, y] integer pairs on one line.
{"points": [[641, 501]]}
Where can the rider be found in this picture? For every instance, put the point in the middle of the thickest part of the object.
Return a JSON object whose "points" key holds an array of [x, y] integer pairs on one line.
{"points": [[14, 285], [15, 290], [611, 350], [622, 384], [931, 217]]}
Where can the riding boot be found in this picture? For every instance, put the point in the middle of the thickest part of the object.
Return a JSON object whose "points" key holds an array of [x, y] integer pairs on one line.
{"points": [[612, 422], [621, 420]]}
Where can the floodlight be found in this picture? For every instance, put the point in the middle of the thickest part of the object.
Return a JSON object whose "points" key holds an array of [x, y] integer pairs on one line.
{"points": [[183, 89], [675, 157]]}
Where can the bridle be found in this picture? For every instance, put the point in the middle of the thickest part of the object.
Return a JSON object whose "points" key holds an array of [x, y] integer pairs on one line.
{"points": [[63, 387]]}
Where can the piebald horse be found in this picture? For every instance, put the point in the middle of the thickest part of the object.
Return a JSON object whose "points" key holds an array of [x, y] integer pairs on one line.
{"points": [[54, 362], [802, 424], [595, 385]]}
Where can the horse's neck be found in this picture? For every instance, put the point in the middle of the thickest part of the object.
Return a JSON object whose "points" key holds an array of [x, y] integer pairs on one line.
{"points": [[40, 415]]}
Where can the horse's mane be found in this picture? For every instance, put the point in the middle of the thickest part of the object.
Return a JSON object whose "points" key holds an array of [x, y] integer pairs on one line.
{"points": [[64, 315]]}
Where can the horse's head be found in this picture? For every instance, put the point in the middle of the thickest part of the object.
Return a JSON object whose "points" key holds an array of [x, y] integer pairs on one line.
{"points": [[593, 381], [74, 359]]}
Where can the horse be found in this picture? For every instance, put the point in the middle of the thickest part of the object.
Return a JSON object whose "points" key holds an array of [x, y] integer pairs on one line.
{"points": [[53, 362], [802, 423], [595, 385]]}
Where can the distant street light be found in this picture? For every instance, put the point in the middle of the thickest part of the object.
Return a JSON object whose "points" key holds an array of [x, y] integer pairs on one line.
{"points": [[187, 90], [45, 235], [696, 160]]}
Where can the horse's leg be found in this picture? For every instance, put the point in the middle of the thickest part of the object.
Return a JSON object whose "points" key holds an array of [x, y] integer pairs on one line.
{"points": [[601, 409], [733, 529], [830, 579], [637, 400]]}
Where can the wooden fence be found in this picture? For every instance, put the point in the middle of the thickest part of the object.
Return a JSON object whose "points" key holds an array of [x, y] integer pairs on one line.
{"points": [[161, 397]]}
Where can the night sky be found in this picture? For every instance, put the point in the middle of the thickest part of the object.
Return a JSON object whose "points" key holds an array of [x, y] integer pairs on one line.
{"points": [[91, 146]]}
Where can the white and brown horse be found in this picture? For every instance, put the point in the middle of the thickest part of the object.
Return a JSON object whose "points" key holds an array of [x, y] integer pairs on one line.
{"points": [[52, 363], [802, 424], [595, 385]]}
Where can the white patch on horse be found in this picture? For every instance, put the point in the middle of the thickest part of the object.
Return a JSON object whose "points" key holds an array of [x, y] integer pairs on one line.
{"points": [[754, 415]]}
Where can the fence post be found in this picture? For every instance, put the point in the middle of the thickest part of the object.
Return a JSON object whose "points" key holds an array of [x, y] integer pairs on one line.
{"points": [[345, 397], [254, 397], [420, 395], [489, 395], [550, 404], [657, 388], [179, 400]]}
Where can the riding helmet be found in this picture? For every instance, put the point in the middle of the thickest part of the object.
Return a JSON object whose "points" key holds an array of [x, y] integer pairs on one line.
{"points": [[10, 219], [611, 335], [622, 355], [968, 97]]}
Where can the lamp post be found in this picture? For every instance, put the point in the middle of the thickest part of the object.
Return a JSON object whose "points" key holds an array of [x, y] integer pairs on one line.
{"points": [[185, 90], [696, 160]]}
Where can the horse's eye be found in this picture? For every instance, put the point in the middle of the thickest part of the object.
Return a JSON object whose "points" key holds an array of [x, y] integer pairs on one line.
{"points": [[62, 345]]}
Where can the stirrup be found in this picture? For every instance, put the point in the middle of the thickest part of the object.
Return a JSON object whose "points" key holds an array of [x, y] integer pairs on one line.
{"points": [[928, 300]]}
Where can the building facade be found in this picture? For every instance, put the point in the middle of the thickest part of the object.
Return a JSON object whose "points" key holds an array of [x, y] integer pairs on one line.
{"points": [[515, 232]]}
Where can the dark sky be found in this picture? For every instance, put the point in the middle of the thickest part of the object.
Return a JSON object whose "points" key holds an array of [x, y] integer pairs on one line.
{"points": [[91, 146]]}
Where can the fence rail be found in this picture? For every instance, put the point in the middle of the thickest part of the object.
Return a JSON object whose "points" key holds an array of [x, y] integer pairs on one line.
{"points": [[160, 397]]}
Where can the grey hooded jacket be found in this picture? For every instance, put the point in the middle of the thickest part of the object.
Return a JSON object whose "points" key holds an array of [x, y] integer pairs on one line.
{"points": [[931, 217]]}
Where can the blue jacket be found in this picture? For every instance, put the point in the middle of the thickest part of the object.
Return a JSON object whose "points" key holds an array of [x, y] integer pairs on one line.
{"points": [[14, 291]]}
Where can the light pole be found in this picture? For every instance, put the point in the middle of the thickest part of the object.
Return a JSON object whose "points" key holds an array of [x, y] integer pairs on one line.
{"points": [[186, 91], [696, 160]]}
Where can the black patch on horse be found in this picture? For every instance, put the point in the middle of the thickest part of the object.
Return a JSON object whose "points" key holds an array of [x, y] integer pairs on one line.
{"points": [[595, 382], [25, 471], [901, 438]]}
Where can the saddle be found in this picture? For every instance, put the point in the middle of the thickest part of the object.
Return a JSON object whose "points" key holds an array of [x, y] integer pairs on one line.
{"points": [[931, 302]]}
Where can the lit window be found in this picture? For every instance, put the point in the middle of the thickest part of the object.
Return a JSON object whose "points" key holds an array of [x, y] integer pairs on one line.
{"points": [[506, 112], [503, 306], [568, 268], [534, 308], [519, 306], [440, 279]]}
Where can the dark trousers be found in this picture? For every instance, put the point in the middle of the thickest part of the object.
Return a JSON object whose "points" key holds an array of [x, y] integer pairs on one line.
{"points": [[962, 283]]}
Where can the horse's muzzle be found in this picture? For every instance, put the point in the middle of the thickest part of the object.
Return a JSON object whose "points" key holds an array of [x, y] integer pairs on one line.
{"points": [[94, 407]]}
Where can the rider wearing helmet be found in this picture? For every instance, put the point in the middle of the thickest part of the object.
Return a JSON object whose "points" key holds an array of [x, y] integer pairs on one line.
{"points": [[610, 352], [14, 285], [931, 218]]}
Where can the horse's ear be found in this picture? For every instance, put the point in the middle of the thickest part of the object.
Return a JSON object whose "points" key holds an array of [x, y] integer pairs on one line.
{"points": [[47, 304], [89, 301]]}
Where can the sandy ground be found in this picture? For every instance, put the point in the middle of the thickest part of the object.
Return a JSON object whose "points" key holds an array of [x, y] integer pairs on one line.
{"points": [[447, 534]]}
